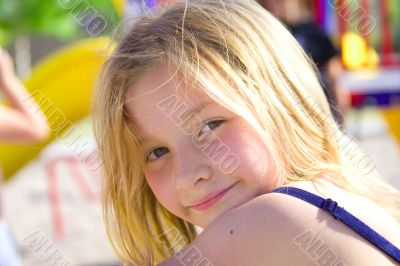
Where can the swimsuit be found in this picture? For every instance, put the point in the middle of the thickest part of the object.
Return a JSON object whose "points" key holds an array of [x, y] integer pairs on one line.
{"points": [[345, 217]]}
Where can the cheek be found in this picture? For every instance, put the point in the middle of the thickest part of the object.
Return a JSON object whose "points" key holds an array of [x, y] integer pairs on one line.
{"points": [[161, 187], [254, 159]]}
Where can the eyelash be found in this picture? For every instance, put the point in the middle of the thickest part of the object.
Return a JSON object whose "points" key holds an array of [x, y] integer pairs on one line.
{"points": [[219, 123]]}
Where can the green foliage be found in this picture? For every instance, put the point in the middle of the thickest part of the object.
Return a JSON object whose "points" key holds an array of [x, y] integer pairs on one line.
{"points": [[63, 19]]}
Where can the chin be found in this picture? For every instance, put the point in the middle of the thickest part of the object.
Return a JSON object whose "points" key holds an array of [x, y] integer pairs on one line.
{"points": [[213, 214]]}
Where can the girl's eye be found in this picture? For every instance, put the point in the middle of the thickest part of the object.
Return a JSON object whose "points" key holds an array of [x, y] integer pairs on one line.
{"points": [[210, 126], [156, 153]]}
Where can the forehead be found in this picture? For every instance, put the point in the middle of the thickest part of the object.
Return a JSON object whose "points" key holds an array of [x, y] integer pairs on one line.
{"points": [[154, 84], [157, 86]]}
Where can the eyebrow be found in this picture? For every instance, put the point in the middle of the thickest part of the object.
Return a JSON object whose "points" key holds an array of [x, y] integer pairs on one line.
{"points": [[195, 110]]}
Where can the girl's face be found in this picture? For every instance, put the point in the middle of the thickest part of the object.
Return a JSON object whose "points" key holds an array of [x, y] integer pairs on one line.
{"points": [[196, 150]]}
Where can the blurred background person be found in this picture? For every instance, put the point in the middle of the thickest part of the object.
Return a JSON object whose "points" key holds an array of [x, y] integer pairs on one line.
{"points": [[296, 15], [21, 122], [50, 187]]}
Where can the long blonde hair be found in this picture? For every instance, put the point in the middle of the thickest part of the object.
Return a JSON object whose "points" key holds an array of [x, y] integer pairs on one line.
{"points": [[242, 57]]}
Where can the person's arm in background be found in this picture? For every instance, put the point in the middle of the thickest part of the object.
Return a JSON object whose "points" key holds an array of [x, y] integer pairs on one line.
{"points": [[22, 121]]}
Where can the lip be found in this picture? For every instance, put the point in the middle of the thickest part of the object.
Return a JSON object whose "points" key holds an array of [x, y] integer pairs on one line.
{"points": [[211, 199]]}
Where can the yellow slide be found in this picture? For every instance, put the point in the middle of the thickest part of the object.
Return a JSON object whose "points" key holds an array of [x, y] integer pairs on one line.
{"points": [[62, 86]]}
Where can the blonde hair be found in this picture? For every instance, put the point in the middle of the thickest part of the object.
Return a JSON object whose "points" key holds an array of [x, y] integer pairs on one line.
{"points": [[242, 57]]}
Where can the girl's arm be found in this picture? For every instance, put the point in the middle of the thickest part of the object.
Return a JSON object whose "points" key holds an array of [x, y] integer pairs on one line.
{"points": [[22, 121]]}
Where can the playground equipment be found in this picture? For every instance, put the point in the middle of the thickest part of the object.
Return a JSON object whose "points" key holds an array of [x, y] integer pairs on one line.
{"points": [[368, 32], [376, 22]]}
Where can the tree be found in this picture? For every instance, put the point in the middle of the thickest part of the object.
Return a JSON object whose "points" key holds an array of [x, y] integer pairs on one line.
{"points": [[63, 19]]}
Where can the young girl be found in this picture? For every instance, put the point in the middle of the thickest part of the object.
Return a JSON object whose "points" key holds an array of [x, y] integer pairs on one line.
{"points": [[207, 114]]}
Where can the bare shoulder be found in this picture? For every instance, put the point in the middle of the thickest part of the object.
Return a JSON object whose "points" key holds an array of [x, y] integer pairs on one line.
{"points": [[254, 233], [276, 229]]}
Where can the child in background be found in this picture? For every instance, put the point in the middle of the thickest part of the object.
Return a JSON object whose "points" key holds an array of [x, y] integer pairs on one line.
{"points": [[18, 124], [297, 17], [207, 114]]}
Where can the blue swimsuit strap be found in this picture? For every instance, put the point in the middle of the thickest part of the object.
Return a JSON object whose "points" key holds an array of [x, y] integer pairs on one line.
{"points": [[345, 217]]}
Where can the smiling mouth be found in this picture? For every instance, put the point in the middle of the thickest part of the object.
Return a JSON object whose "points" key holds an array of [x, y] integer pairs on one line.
{"points": [[210, 202]]}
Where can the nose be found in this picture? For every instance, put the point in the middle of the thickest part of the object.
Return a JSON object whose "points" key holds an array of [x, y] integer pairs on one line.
{"points": [[191, 168]]}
